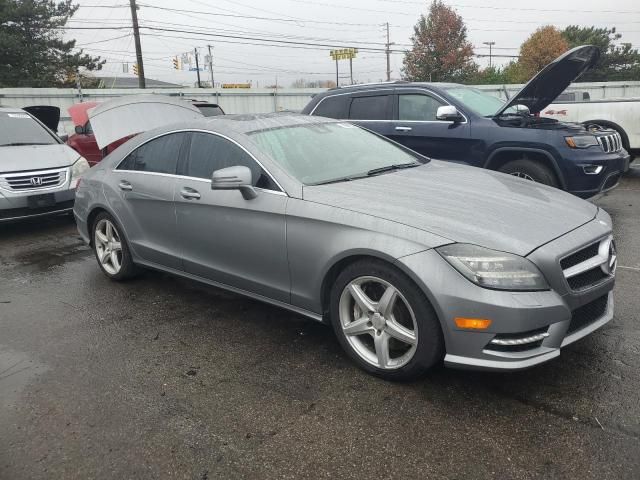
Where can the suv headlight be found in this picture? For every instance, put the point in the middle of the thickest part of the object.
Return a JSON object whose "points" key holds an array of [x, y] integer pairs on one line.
{"points": [[77, 170], [493, 269], [582, 141]]}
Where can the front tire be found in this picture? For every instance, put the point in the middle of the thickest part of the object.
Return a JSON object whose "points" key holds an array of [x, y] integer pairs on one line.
{"points": [[111, 249], [384, 321], [531, 170]]}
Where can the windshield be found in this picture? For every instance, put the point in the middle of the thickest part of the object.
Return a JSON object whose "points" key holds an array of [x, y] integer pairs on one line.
{"points": [[210, 110], [480, 102], [20, 129], [325, 152]]}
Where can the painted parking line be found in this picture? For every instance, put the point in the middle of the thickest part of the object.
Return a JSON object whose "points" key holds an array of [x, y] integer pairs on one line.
{"points": [[635, 269]]}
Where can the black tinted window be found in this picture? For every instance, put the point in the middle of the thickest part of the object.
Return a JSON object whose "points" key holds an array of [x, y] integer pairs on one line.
{"points": [[332, 107], [370, 108], [159, 155], [417, 107], [209, 152]]}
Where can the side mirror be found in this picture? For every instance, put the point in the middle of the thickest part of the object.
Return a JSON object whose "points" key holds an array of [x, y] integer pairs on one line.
{"points": [[79, 129], [448, 113], [234, 178], [522, 109]]}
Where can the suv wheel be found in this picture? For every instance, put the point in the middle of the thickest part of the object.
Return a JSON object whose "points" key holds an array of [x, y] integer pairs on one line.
{"points": [[530, 170], [384, 321], [111, 249]]}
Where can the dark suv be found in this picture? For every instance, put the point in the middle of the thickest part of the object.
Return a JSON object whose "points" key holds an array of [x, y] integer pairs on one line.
{"points": [[454, 122]]}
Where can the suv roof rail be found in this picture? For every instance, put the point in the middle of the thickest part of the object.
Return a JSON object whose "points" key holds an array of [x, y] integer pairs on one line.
{"points": [[369, 84]]}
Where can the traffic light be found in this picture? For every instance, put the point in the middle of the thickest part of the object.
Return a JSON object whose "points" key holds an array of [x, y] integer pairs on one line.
{"points": [[176, 63], [135, 69]]}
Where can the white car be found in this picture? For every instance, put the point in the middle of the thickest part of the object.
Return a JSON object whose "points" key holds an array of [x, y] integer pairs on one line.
{"points": [[38, 172]]}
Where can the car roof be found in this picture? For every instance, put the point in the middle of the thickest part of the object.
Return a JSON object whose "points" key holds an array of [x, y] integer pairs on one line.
{"points": [[11, 109], [246, 123], [398, 83]]}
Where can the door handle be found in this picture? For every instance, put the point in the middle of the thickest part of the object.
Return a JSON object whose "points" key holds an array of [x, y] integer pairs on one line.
{"points": [[403, 129], [189, 193], [124, 185]]}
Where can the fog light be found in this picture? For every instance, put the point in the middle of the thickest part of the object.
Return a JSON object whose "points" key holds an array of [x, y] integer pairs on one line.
{"points": [[592, 169], [472, 323]]}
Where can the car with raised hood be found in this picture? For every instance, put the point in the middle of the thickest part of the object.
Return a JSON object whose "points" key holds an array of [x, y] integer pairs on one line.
{"points": [[412, 261], [462, 124], [38, 172]]}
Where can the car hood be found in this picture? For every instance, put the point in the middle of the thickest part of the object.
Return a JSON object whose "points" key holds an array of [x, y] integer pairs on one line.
{"points": [[553, 79], [36, 157], [79, 112], [133, 114], [463, 204]]}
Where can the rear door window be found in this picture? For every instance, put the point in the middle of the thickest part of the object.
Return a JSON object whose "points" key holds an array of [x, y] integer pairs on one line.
{"points": [[159, 155], [370, 107], [418, 107], [332, 107]]}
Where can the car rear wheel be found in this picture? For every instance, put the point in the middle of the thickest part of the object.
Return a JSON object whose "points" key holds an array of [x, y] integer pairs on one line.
{"points": [[111, 249], [384, 321], [530, 170]]}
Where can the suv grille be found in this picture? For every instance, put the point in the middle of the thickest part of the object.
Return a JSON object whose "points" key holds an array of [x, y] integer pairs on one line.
{"points": [[36, 180], [611, 143], [585, 315], [590, 265]]}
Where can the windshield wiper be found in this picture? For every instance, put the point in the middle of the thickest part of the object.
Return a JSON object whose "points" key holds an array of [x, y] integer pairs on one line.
{"points": [[22, 144], [389, 168], [339, 180]]}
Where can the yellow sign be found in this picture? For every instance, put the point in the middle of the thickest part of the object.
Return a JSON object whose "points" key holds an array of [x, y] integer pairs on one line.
{"points": [[343, 53], [236, 85]]}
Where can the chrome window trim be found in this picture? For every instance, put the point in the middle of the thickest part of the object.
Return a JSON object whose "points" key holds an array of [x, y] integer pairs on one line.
{"points": [[394, 90], [198, 130]]}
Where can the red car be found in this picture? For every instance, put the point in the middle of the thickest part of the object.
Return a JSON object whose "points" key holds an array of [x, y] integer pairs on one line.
{"points": [[83, 141]]}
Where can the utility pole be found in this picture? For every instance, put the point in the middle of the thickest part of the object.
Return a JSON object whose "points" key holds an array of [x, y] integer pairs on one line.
{"points": [[213, 85], [388, 52], [195, 50], [491, 44], [136, 38]]}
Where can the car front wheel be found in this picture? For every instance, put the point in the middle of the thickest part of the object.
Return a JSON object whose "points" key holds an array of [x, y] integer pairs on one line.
{"points": [[111, 249], [530, 170], [384, 321]]}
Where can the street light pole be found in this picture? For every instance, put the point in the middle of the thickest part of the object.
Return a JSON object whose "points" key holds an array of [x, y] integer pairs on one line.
{"points": [[491, 44]]}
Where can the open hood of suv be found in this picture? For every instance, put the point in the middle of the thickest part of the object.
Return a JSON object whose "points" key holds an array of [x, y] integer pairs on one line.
{"points": [[47, 114], [553, 79], [129, 115]]}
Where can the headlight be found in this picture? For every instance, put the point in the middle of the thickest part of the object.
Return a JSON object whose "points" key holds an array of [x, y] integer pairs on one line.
{"points": [[77, 170], [492, 269], [582, 141]]}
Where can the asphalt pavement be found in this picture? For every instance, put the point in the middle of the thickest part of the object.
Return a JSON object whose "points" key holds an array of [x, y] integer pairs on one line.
{"points": [[162, 378]]}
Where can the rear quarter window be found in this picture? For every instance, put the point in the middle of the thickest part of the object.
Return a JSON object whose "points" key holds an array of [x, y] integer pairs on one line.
{"points": [[332, 107]]}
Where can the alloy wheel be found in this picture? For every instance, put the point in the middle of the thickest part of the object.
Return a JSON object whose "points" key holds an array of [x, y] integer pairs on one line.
{"points": [[108, 246], [522, 175], [378, 322]]}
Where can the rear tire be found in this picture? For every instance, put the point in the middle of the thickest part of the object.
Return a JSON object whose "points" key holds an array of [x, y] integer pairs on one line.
{"points": [[384, 321], [531, 170], [111, 249]]}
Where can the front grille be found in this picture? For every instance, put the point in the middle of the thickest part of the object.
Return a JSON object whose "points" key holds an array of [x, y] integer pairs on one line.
{"points": [[580, 256], [26, 212], [36, 180], [585, 315], [610, 143], [589, 266]]}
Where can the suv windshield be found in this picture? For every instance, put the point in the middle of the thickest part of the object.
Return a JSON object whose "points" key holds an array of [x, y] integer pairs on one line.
{"points": [[18, 128], [480, 102], [327, 152], [210, 110]]}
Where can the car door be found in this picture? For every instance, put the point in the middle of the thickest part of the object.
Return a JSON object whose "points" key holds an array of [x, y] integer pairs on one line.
{"points": [[417, 127], [142, 196], [223, 237], [373, 111]]}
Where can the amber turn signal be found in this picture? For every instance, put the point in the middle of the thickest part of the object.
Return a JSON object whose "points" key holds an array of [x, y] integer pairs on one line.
{"points": [[472, 323]]}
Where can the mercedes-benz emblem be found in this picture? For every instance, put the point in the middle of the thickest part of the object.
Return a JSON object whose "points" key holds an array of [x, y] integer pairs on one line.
{"points": [[609, 267], [36, 181]]}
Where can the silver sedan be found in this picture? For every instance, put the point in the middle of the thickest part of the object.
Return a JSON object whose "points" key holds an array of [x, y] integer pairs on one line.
{"points": [[412, 261]]}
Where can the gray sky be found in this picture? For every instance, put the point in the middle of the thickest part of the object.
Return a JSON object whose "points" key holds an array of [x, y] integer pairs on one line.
{"points": [[356, 23]]}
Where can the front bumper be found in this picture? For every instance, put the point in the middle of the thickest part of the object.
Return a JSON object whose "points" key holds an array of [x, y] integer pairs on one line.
{"points": [[586, 185], [18, 207], [557, 317]]}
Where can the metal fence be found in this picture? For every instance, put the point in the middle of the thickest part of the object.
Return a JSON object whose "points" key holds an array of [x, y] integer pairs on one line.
{"points": [[255, 100]]}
